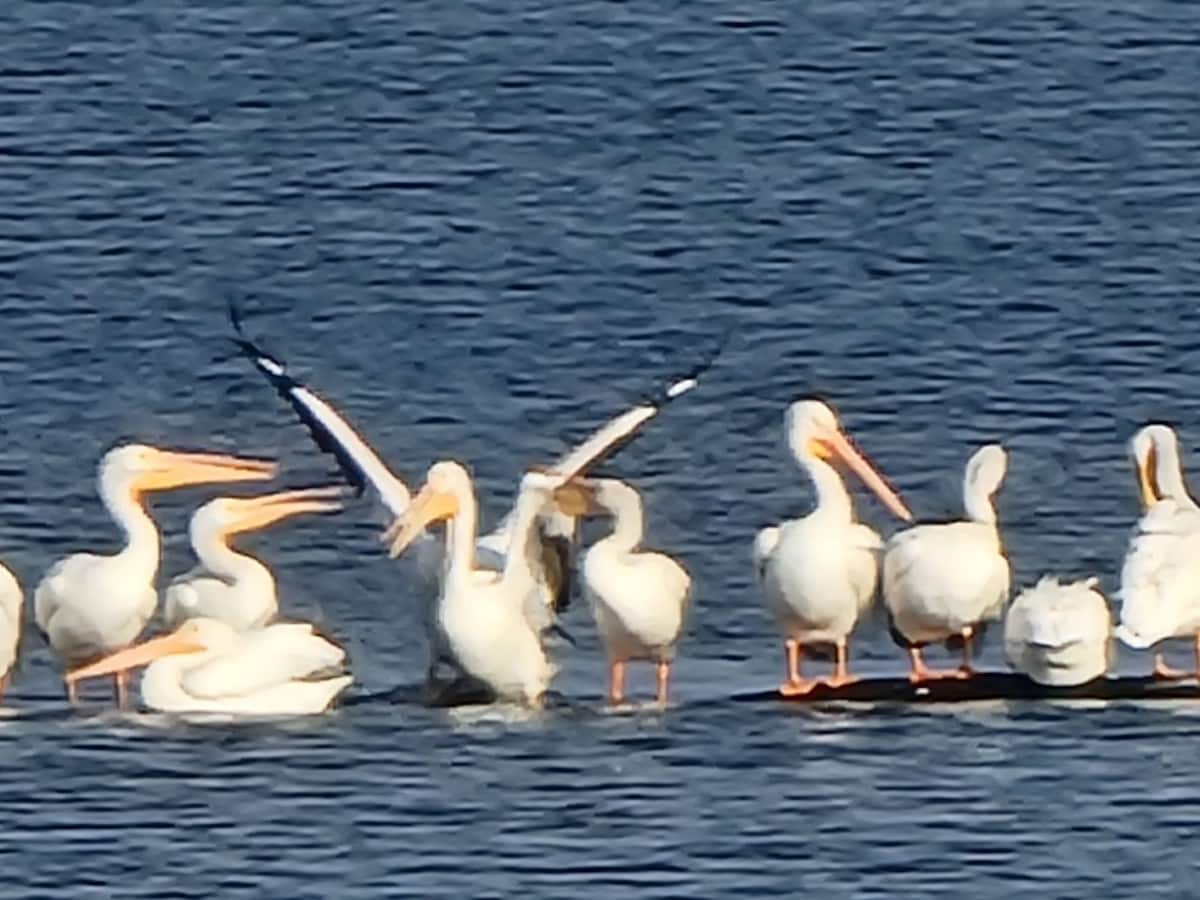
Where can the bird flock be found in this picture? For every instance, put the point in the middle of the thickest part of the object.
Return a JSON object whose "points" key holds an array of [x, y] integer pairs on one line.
{"points": [[490, 603]]}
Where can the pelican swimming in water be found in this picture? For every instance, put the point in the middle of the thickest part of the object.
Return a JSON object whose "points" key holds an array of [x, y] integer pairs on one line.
{"points": [[819, 573], [12, 601], [230, 586], [488, 620], [206, 666], [88, 605], [639, 598], [555, 531], [943, 582], [1059, 633], [1160, 578]]}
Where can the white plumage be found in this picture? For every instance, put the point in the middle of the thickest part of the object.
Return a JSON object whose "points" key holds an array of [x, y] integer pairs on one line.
{"points": [[12, 602], [228, 585], [818, 573], [1059, 634], [1160, 577], [206, 666], [639, 598], [554, 559], [942, 582], [489, 622], [89, 605]]}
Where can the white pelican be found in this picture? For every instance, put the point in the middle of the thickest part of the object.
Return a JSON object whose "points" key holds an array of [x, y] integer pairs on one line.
{"points": [[89, 605], [819, 573], [639, 598], [361, 466], [943, 582], [11, 603], [1160, 578], [206, 666], [1154, 450], [1059, 634], [230, 586], [488, 620]]}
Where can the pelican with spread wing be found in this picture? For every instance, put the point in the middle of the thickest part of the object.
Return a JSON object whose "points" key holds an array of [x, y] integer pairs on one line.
{"points": [[553, 531], [489, 621]]}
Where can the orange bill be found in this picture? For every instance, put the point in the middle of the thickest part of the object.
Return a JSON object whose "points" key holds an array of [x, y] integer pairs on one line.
{"points": [[172, 469], [1147, 480], [253, 513], [845, 451], [428, 507], [138, 655]]}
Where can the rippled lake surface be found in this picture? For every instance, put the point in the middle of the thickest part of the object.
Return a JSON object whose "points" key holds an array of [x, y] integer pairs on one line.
{"points": [[480, 229]]}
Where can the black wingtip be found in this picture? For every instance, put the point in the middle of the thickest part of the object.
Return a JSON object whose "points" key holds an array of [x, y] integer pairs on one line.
{"points": [[274, 368], [288, 388], [690, 378]]}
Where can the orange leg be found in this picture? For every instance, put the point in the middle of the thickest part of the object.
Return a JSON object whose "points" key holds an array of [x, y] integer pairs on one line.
{"points": [[920, 672], [122, 680], [663, 674], [1165, 672], [616, 681], [966, 670], [841, 673], [795, 686]]}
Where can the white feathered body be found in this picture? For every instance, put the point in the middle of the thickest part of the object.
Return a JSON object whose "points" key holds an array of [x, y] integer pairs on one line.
{"points": [[249, 602], [1160, 578], [818, 575], [1059, 634], [639, 600], [89, 606], [281, 670], [482, 622], [12, 602], [940, 579]]}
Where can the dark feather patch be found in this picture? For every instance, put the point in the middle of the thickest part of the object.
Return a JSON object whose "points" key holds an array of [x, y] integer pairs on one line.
{"points": [[275, 371]]}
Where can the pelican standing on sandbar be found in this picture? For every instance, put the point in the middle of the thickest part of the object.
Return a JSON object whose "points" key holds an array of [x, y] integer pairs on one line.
{"points": [[205, 666], [89, 605], [1160, 577], [819, 573], [639, 598], [228, 585], [943, 582], [1059, 633]]}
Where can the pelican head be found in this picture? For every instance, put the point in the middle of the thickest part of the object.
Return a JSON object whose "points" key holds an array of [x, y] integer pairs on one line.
{"points": [[145, 469], [438, 500], [1154, 451], [985, 470], [227, 516], [193, 636], [813, 432]]}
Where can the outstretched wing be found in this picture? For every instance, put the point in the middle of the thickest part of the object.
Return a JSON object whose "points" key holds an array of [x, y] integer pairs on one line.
{"points": [[329, 429]]}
